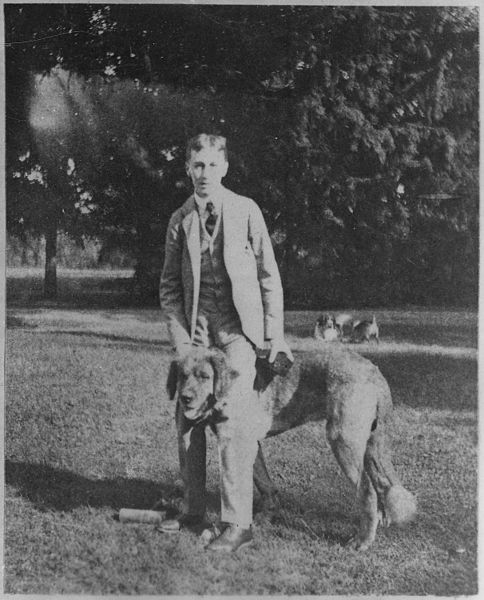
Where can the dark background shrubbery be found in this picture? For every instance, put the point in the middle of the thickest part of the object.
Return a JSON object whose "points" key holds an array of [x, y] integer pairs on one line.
{"points": [[309, 283], [355, 129]]}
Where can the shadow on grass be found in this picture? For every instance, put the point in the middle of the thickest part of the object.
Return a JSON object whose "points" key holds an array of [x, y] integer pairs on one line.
{"points": [[110, 337], [430, 381], [50, 489], [55, 489], [456, 335], [16, 323], [80, 292]]}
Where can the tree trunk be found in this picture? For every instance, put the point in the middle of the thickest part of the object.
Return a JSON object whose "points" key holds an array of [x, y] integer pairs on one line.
{"points": [[148, 265], [50, 280]]}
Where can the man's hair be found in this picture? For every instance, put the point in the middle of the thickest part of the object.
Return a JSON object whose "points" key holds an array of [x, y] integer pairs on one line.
{"points": [[205, 140]]}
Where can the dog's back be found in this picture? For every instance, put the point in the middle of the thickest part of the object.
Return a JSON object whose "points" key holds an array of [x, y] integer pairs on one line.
{"points": [[343, 322], [365, 331], [316, 381]]}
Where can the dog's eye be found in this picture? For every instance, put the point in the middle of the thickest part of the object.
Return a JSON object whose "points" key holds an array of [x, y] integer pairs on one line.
{"points": [[204, 376]]}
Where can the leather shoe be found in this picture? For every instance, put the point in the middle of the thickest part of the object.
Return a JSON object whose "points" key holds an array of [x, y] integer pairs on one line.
{"points": [[232, 539], [174, 525]]}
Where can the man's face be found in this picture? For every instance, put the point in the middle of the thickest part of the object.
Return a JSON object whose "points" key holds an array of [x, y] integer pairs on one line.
{"points": [[206, 169]]}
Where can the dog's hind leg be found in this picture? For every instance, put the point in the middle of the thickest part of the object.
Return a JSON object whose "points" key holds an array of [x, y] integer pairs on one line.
{"points": [[370, 516], [264, 484], [398, 504], [349, 453]]}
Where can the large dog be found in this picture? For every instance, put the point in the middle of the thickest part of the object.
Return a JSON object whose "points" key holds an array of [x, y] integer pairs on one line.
{"points": [[335, 384]]}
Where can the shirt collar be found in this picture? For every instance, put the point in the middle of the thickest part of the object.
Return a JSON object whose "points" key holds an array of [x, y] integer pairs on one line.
{"points": [[202, 202]]}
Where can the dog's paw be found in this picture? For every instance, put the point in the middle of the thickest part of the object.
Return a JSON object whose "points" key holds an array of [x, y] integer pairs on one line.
{"points": [[269, 502], [356, 543], [209, 534]]}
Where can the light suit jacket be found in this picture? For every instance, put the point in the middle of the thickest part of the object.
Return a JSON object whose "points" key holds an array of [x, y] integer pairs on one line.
{"points": [[250, 263]]}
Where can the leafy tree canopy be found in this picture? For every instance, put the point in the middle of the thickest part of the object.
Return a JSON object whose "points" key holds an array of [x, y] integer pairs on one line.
{"points": [[350, 125]]}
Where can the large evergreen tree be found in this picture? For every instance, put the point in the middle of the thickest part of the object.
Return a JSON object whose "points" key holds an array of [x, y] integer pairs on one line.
{"points": [[355, 128]]}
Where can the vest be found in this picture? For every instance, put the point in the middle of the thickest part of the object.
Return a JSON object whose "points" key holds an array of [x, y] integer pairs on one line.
{"points": [[215, 285]]}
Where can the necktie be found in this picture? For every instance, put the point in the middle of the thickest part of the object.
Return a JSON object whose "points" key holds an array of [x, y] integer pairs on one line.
{"points": [[211, 219]]}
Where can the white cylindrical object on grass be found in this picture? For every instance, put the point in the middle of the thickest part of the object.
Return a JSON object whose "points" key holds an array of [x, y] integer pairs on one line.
{"points": [[134, 515]]}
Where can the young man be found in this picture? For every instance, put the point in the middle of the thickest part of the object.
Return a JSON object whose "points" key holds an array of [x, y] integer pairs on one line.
{"points": [[220, 286]]}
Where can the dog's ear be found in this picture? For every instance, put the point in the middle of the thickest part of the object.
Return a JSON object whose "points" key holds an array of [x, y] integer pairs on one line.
{"points": [[171, 382], [223, 373]]}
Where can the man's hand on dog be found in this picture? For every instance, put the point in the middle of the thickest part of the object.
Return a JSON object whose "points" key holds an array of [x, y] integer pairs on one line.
{"points": [[279, 345]]}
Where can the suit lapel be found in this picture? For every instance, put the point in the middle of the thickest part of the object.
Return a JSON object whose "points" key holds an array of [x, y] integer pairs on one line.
{"points": [[191, 226], [234, 226]]}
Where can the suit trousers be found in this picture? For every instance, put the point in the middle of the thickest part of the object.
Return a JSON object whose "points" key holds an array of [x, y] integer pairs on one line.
{"points": [[237, 437]]}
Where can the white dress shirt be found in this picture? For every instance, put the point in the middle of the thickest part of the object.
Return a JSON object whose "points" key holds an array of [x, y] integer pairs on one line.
{"points": [[201, 204]]}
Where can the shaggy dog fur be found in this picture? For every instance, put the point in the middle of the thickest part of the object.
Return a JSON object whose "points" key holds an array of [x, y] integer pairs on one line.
{"points": [[335, 384]]}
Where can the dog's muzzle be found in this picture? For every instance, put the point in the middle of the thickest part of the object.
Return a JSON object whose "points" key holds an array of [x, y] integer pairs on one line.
{"points": [[185, 400], [206, 412]]}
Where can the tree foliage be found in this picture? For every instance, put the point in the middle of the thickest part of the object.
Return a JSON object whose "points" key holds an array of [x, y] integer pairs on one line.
{"points": [[355, 128]]}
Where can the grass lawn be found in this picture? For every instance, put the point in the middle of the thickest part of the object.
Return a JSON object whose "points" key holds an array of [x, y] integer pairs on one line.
{"points": [[89, 429]]}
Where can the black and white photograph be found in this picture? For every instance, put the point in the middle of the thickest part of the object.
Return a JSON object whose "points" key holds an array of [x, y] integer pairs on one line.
{"points": [[241, 291]]}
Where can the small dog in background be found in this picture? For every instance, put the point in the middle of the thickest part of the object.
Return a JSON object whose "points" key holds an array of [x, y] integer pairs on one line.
{"points": [[364, 331], [343, 323], [325, 329]]}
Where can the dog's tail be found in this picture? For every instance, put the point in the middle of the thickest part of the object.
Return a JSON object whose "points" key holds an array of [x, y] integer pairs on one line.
{"points": [[396, 503]]}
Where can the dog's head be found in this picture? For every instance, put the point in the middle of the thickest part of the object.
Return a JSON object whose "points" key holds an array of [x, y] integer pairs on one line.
{"points": [[200, 382], [326, 328], [326, 322]]}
